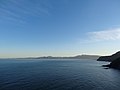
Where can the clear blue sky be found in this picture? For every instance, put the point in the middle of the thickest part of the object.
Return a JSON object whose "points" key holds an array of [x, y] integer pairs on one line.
{"points": [[59, 27]]}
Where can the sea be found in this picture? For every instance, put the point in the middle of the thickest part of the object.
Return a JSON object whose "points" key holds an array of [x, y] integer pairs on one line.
{"points": [[57, 74]]}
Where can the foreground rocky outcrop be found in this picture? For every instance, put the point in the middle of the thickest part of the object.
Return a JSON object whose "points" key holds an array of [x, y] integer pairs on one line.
{"points": [[115, 64], [109, 58], [114, 59]]}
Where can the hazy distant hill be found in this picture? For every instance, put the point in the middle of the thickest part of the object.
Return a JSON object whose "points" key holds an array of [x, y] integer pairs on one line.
{"points": [[87, 56], [74, 57], [109, 58]]}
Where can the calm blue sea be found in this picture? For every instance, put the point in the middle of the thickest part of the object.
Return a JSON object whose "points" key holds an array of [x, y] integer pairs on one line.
{"points": [[57, 75]]}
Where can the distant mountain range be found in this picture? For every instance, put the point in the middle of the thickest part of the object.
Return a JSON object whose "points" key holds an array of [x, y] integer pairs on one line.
{"points": [[95, 57]]}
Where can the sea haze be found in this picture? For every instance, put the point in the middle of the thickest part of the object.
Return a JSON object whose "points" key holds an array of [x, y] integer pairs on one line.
{"points": [[57, 75]]}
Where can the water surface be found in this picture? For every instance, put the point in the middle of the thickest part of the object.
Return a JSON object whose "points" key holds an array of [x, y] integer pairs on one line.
{"points": [[57, 75]]}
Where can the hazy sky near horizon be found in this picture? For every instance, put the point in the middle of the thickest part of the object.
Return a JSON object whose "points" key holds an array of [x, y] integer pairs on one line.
{"points": [[59, 27]]}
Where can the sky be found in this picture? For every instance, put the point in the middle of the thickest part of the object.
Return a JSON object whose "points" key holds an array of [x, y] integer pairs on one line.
{"points": [[31, 28]]}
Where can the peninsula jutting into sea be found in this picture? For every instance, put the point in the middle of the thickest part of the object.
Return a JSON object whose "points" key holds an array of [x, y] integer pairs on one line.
{"points": [[114, 60]]}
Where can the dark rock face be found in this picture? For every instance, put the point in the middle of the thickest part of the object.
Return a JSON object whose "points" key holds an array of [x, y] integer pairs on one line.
{"points": [[115, 63], [114, 59], [104, 58], [109, 58]]}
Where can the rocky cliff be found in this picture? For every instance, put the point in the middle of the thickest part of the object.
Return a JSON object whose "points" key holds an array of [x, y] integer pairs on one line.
{"points": [[109, 58]]}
